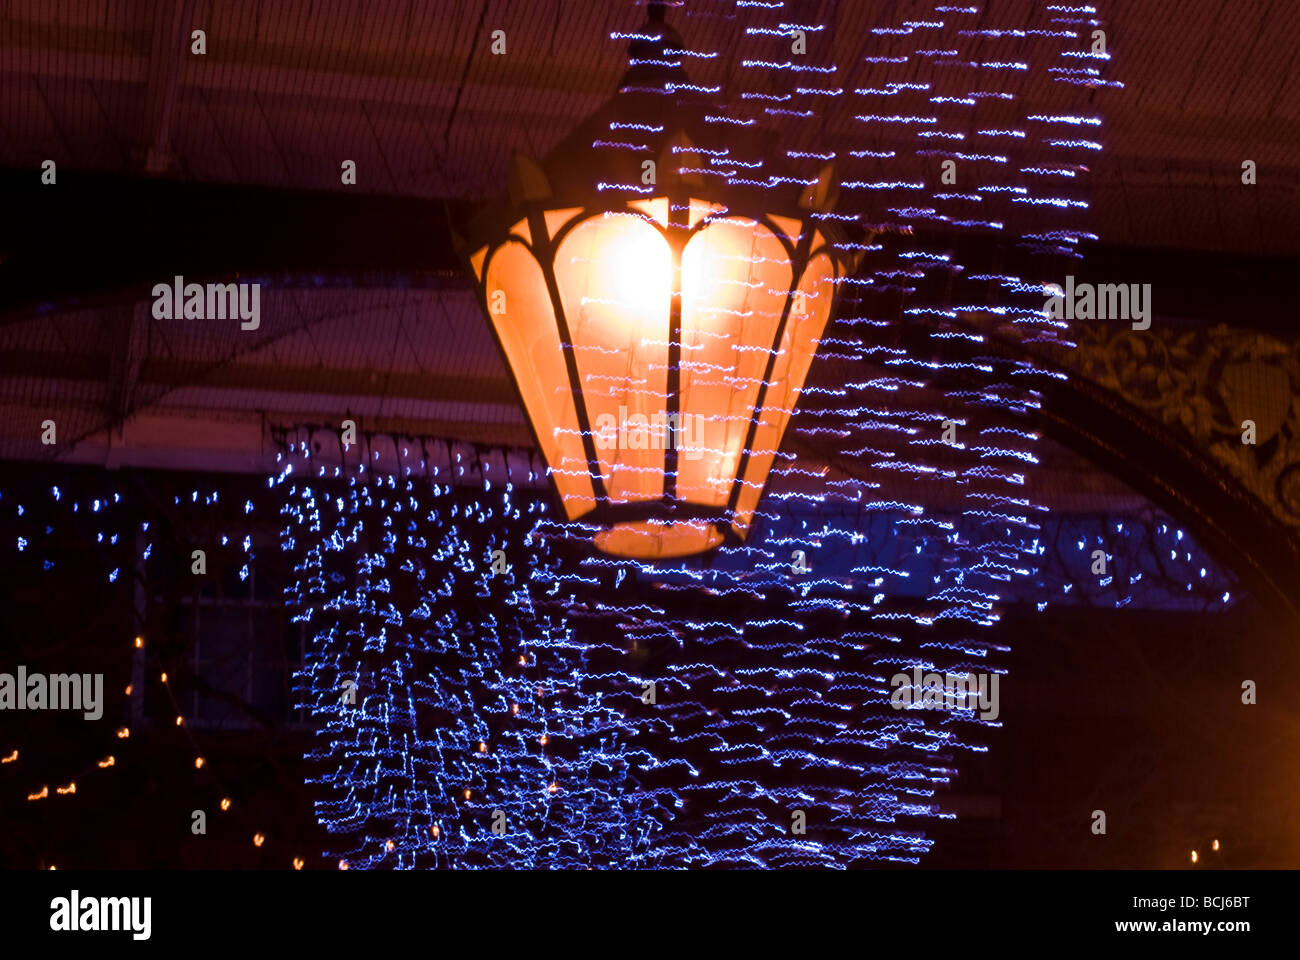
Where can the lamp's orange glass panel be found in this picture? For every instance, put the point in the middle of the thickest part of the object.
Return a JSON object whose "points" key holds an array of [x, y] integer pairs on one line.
{"points": [[789, 226], [656, 209], [522, 231], [519, 307], [697, 210], [477, 260], [615, 275], [810, 308], [555, 219], [735, 278], [655, 540]]}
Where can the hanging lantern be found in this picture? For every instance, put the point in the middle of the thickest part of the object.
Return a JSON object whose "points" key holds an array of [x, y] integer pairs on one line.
{"points": [[658, 286]]}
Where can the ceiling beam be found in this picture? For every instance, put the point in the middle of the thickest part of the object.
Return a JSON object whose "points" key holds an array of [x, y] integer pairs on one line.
{"points": [[278, 378], [96, 238], [170, 41]]}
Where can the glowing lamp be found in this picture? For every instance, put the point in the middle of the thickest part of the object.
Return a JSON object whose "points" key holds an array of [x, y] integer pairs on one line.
{"points": [[657, 286]]}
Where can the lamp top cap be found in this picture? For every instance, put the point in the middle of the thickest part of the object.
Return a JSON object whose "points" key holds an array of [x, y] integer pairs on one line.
{"points": [[654, 53]]}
